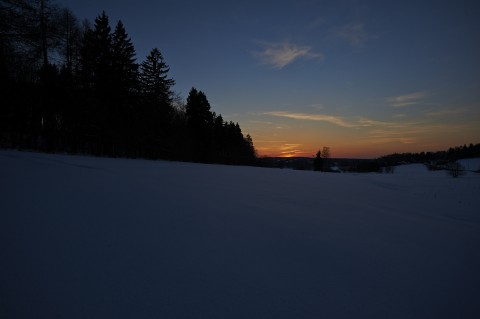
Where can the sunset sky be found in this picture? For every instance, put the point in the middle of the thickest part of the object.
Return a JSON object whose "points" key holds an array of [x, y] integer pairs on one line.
{"points": [[366, 78]]}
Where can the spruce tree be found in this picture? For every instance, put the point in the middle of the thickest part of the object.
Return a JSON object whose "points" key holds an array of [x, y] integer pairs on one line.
{"points": [[156, 114], [200, 125], [123, 84], [154, 82], [318, 162], [97, 75], [96, 55], [198, 112], [123, 63]]}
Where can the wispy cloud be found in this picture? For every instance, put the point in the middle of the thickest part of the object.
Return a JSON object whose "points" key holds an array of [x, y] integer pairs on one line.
{"points": [[359, 122], [314, 117], [376, 131], [337, 120], [282, 54], [261, 122], [354, 34], [408, 99], [365, 122], [289, 150], [399, 130]]}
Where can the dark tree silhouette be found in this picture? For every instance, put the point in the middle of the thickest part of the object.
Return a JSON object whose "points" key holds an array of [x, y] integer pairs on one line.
{"points": [[96, 55], [124, 88], [96, 99], [321, 161], [124, 67], [318, 162], [155, 84], [156, 114], [200, 124], [70, 39], [96, 72]]}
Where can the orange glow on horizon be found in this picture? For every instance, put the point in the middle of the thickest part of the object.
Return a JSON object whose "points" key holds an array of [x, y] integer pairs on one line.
{"points": [[360, 151], [366, 152], [291, 134]]}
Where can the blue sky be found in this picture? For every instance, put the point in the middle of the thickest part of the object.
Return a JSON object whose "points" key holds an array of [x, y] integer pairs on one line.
{"points": [[366, 78]]}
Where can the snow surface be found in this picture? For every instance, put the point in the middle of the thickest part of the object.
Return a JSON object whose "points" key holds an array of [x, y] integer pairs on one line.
{"points": [[84, 237], [471, 164]]}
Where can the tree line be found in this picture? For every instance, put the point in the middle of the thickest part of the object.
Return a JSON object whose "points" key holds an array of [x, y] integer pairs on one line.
{"points": [[70, 86], [433, 158]]}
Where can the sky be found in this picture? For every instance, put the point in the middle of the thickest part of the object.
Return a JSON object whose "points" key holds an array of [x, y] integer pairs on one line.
{"points": [[365, 78]]}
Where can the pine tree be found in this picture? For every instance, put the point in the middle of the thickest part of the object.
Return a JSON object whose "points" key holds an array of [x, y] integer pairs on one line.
{"points": [[156, 114], [154, 82], [200, 125], [97, 76], [123, 86], [123, 63], [96, 55], [198, 111]]}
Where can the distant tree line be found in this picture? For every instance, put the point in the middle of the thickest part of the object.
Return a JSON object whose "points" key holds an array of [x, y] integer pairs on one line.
{"points": [[322, 161], [75, 87], [441, 160], [432, 158]]}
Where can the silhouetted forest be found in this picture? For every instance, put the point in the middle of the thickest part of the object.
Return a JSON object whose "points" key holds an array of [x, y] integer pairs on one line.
{"points": [[76, 87], [432, 158]]}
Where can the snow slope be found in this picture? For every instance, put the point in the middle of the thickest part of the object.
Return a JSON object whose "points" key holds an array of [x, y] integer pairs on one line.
{"points": [[84, 237], [471, 164]]}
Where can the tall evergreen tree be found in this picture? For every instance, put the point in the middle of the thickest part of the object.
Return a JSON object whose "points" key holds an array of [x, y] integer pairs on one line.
{"points": [[154, 81], [156, 113], [123, 63], [198, 112], [97, 78], [318, 162], [96, 55], [200, 125], [124, 85]]}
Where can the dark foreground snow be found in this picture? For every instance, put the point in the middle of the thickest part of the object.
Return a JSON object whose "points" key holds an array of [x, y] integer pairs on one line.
{"points": [[84, 237]]}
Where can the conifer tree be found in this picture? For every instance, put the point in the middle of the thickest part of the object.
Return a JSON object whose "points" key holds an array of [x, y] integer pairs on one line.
{"points": [[123, 85], [96, 55], [97, 76], [123, 63], [198, 111], [156, 114], [154, 81], [318, 162], [200, 125]]}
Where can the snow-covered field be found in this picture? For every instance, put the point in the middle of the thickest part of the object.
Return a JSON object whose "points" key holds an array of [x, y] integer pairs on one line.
{"points": [[84, 237]]}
